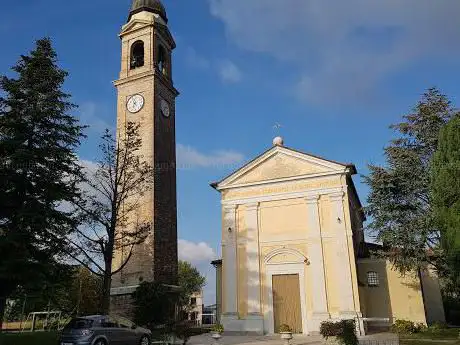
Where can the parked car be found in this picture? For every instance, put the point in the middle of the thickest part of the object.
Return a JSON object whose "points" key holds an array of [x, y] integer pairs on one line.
{"points": [[103, 330]]}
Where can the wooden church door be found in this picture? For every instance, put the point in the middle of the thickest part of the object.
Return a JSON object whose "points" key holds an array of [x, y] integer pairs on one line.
{"points": [[286, 302]]}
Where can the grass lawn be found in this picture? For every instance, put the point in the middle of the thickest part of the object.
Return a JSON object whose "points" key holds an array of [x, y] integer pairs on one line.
{"points": [[440, 337], [36, 338]]}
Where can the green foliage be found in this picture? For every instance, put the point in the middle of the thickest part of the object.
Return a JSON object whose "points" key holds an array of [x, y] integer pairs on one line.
{"points": [[38, 168], [407, 327], [74, 291], [218, 328], [153, 304], [437, 327], [85, 293], [184, 330], [399, 203], [284, 328], [344, 330], [435, 332], [445, 188], [190, 280]]}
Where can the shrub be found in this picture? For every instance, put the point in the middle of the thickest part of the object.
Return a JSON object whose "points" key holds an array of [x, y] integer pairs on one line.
{"points": [[344, 331], [438, 326], [407, 327], [218, 328], [330, 329], [153, 304], [435, 328], [284, 328], [184, 331]]}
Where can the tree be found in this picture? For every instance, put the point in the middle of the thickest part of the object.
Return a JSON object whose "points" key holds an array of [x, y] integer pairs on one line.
{"points": [[399, 203], [445, 188], [153, 301], [109, 207], [190, 280], [38, 168]]}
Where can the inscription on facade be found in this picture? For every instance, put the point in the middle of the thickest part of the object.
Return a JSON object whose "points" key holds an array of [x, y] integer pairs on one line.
{"points": [[281, 188]]}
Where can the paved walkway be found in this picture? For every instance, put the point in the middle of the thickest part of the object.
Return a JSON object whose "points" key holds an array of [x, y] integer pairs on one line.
{"points": [[205, 339]]}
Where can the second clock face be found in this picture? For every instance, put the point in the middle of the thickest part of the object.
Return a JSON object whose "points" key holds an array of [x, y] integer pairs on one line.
{"points": [[165, 108], [135, 103]]}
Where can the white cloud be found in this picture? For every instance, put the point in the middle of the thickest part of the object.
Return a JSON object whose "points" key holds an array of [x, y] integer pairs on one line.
{"points": [[189, 157], [229, 72], [195, 60], [195, 253], [342, 49], [90, 114], [200, 255]]}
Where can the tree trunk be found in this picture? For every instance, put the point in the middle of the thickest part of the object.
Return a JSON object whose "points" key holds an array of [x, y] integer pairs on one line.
{"points": [[106, 289], [2, 310]]}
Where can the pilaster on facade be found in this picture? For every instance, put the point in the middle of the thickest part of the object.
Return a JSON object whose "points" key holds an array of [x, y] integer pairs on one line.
{"points": [[343, 256], [316, 259], [229, 261], [253, 264]]}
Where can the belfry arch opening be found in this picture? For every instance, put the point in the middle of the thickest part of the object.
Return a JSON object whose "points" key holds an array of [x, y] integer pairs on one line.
{"points": [[137, 55], [162, 60]]}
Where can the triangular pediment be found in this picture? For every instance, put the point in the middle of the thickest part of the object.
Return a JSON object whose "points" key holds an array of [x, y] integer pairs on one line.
{"points": [[134, 25], [281, 163]]}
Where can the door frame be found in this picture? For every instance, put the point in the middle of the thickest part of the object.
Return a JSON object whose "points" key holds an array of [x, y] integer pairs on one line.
{"points": [[280, 269]]}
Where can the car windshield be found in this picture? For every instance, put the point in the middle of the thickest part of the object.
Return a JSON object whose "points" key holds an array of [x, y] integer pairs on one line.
{"points": [[79, 324]]}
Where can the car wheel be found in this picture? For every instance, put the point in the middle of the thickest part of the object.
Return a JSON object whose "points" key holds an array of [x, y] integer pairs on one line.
{"points": [[100, 342], [145, 340]]}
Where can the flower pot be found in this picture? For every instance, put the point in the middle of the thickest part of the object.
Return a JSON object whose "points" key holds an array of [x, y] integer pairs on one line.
{"points": [[216, 336], [286, 336]]}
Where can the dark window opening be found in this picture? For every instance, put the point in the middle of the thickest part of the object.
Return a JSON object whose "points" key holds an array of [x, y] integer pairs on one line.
{"points": [[193, 301], [162, 60], [372, 279], [137, 54]]}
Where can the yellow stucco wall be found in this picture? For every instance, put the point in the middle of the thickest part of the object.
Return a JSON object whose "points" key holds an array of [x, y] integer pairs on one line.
{"points": [[432, 297], [397, 296], [218, 292]]}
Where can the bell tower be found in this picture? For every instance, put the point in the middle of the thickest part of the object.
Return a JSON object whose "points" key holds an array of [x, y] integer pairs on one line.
{"points": [[146, 95]]}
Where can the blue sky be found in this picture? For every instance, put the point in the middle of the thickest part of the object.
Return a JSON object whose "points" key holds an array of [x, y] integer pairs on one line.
{"points": [[334, 74]]}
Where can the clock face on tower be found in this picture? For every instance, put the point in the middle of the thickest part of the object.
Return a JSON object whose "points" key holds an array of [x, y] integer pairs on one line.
{"points": [[135, 103], [165, 108]]}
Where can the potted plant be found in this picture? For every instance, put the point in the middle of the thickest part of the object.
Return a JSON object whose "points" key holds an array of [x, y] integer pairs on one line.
{"points": [[216, 332], [286, 333]]}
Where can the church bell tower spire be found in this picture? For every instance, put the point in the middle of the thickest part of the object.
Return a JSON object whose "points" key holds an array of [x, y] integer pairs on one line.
{"points": [[146, 95]]}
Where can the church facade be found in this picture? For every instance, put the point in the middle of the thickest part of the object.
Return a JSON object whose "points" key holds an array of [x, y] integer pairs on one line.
{"points": [[293, 251]]}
